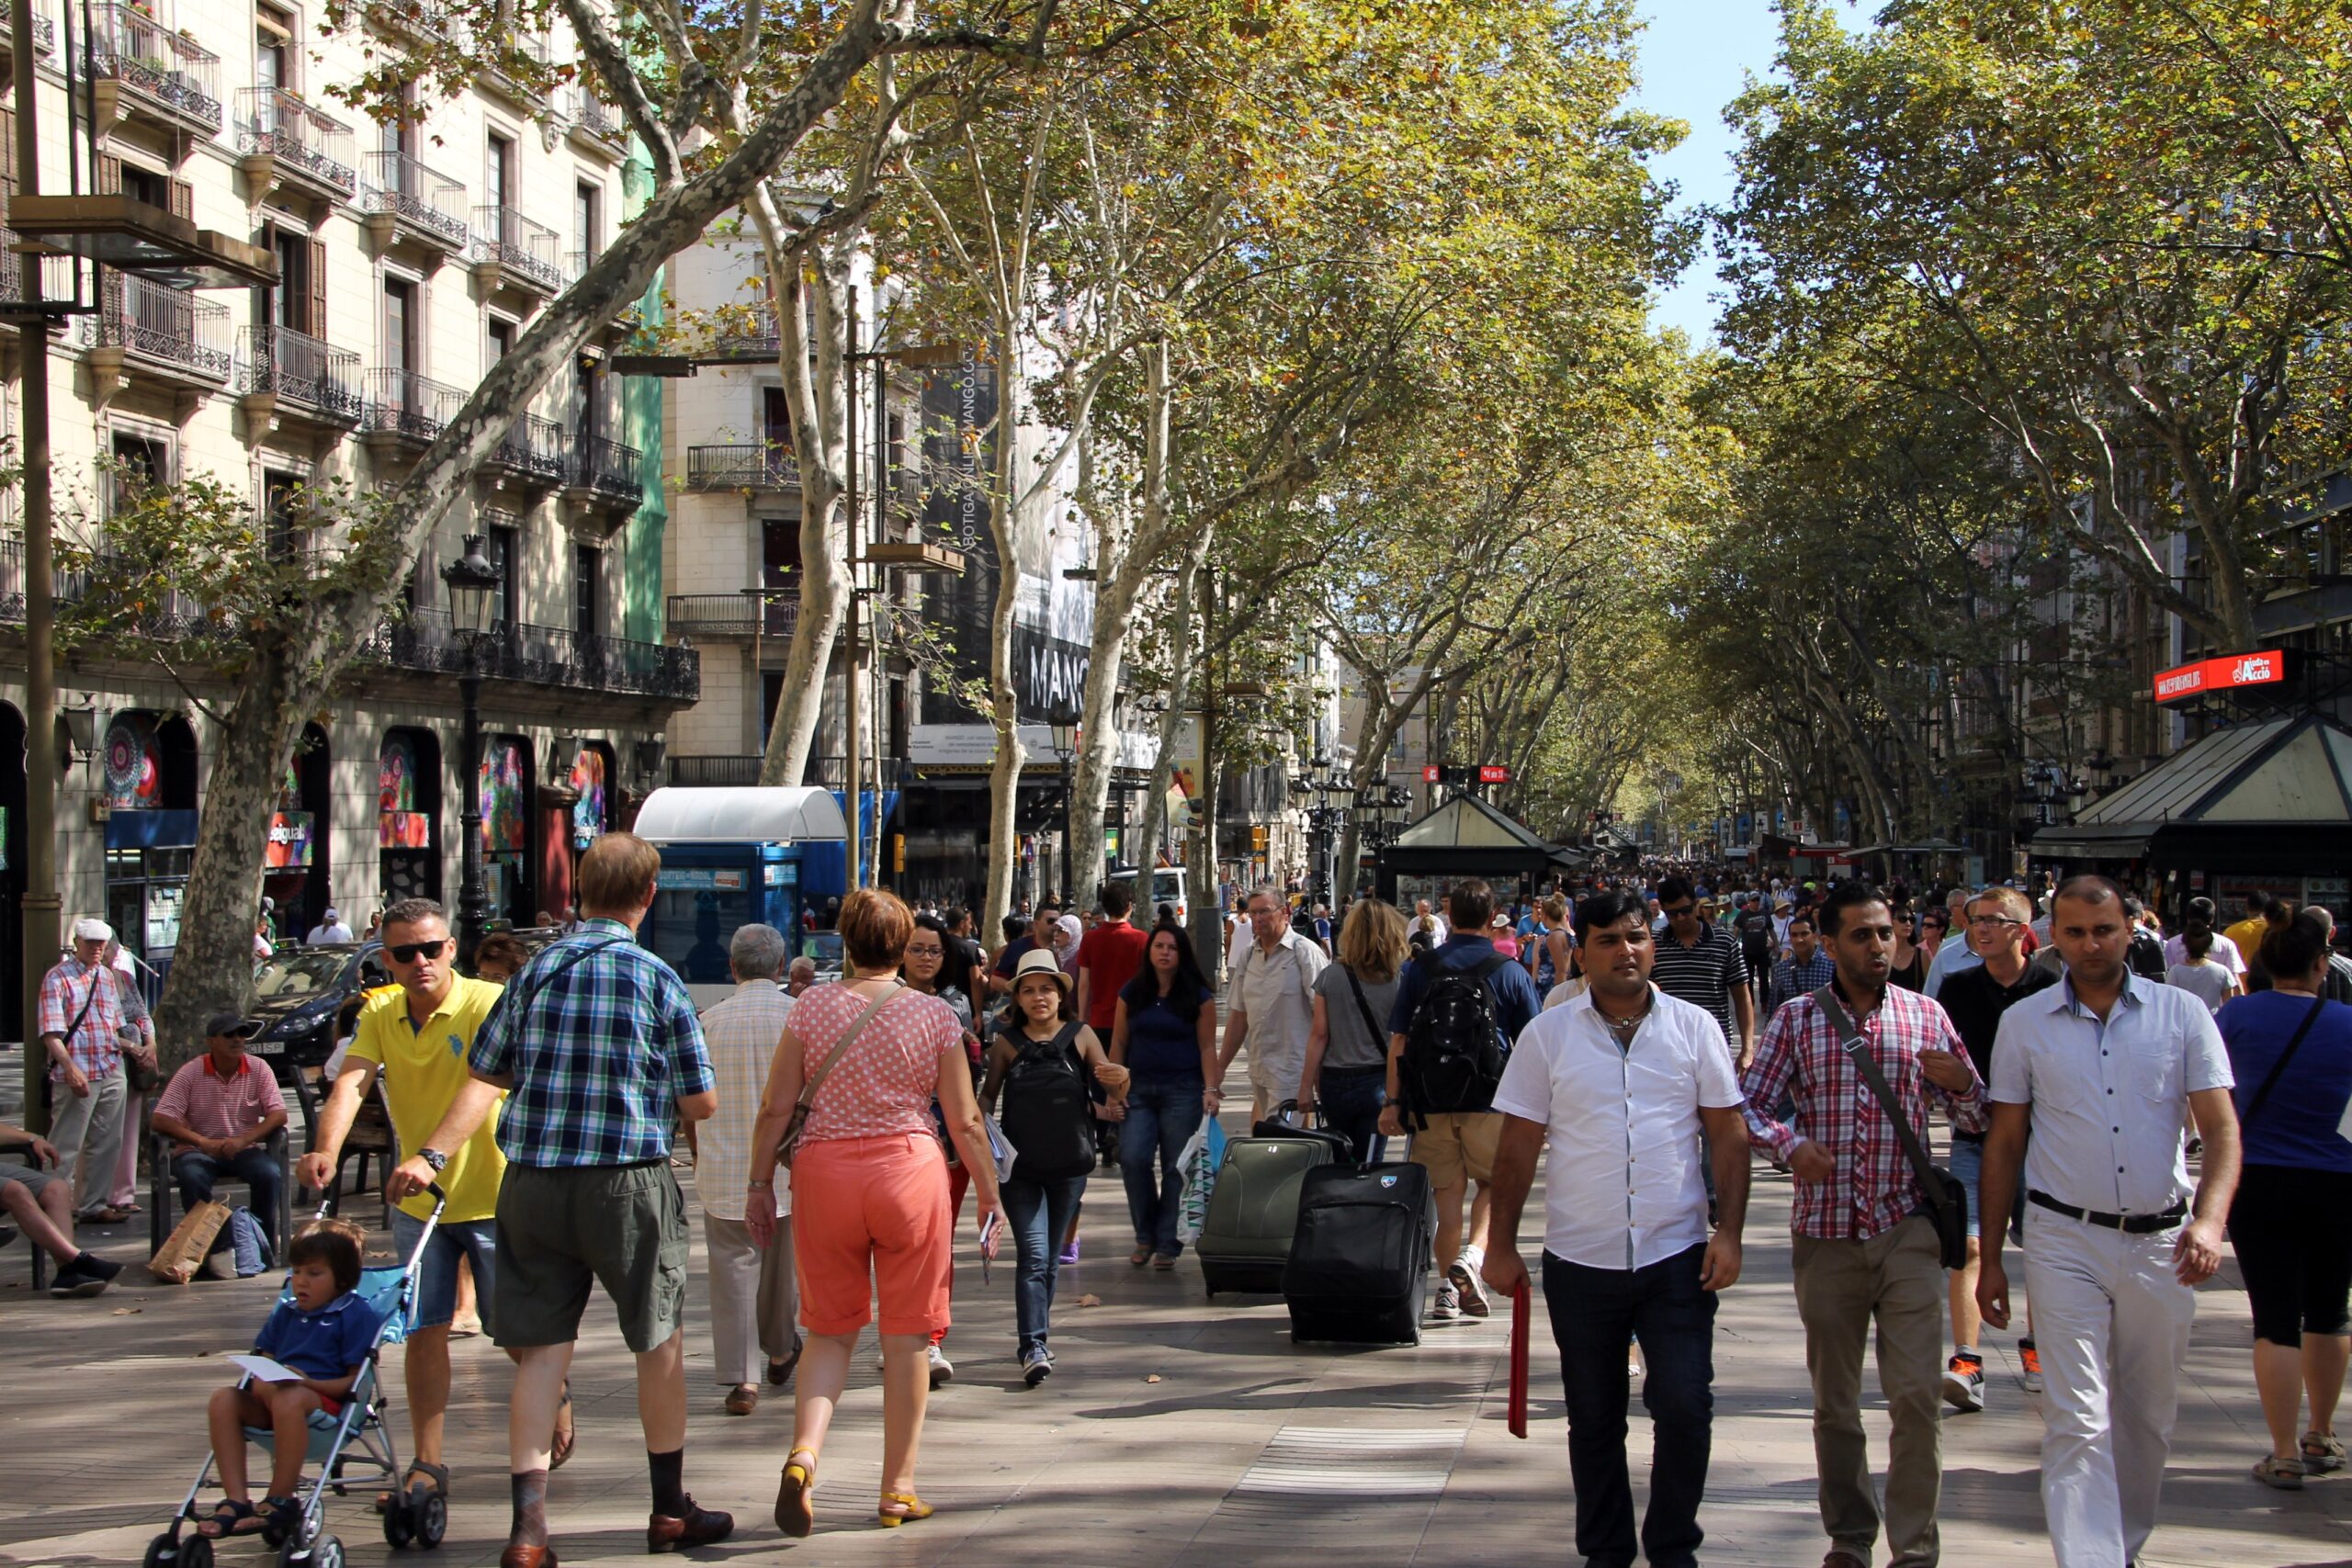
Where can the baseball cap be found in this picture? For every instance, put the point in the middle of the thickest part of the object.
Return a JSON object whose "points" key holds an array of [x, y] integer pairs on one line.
{"points": [[331, 914], [230, 1026]]}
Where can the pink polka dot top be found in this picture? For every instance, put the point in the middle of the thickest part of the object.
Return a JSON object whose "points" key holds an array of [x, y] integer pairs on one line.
{"points": [[883, 1085]]}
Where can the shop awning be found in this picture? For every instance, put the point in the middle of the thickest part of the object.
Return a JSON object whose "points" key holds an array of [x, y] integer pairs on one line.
{"points": [[2282, 773]]}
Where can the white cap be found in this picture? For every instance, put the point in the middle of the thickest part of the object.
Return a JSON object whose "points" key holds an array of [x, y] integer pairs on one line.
{"points": [[331, 916], [89, 930]]}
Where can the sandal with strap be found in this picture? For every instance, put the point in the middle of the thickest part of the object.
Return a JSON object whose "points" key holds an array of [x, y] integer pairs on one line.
{"points": [[436, 1473], [795, 1491], [898, 1507], [2286, 1474], [2323, 1452], [230, 1519]]}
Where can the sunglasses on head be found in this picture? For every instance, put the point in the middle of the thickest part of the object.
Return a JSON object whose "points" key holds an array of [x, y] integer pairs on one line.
{"points": [[410, 951]]}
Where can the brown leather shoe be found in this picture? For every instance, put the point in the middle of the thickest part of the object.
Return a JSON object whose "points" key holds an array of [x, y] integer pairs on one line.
{"points": [[780, 1373], [742, 1399], [1840, 1558], [696, 1527], [528, 1557]]}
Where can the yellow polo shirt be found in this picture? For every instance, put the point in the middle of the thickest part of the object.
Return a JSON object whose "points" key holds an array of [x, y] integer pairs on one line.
{"points": [[424, 1069], [2248, 935]]}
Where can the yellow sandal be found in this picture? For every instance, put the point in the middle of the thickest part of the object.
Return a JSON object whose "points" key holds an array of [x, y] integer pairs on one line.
{"points": [[910, 1506], [796, 1507]]}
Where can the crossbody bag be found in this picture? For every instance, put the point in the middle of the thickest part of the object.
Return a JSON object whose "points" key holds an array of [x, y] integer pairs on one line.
{"points": [[789, 1144], [1947, 1198]]}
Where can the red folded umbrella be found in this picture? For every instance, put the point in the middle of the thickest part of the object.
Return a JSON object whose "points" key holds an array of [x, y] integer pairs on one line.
{"points": [[1519, 1316]]}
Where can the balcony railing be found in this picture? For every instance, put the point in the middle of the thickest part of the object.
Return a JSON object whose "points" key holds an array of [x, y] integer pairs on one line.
{"points": [[535, 449], [504, 237], [130, 47], [171, 614], [734, 614], [550, 656], [301, 369], [407, 405], [747, 332], [722, 770], [274, 121], [171, 325], [425, 199], [609, 467], [593, 115], [751, 465]]}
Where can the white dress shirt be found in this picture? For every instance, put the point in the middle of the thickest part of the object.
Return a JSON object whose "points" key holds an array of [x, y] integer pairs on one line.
{"points": [[1276, 990], [2109, 1098], [1620, 1121], [742, 1033], [2224, 952]]}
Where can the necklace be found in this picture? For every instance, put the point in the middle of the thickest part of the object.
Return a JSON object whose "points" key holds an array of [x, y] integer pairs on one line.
{"points": [[1622, 1030]]}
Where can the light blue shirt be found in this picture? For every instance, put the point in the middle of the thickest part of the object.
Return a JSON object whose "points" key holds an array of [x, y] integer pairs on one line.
{"points": [[1951, 958], [2108, 1097]]}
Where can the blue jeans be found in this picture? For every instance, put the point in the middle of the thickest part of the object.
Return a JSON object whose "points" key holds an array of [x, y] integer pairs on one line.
{"points": [[1163, 1116], [256, 1165], [1038, 1214], [1592, 1311], [436, 1277], [1351, 1100]]}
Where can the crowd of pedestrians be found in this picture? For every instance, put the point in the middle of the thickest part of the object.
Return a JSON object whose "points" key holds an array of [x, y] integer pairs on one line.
{"points": [[1662, 1036]]}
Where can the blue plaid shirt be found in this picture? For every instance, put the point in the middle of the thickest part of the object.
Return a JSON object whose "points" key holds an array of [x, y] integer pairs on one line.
{"points": [[599, 1053]]}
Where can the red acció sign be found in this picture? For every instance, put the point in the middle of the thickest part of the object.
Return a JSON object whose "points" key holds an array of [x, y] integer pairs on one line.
{"points": [[2230, 672]]}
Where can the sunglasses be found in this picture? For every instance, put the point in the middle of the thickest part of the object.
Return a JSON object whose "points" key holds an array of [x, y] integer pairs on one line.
{"points": [[410, 951], [1681, 910]]}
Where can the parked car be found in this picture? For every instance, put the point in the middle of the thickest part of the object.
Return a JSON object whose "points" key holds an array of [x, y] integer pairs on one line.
{"points": [[305, 999]]}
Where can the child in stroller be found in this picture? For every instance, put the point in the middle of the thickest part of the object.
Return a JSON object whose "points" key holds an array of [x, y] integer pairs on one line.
{"points": [[325, 1333]]}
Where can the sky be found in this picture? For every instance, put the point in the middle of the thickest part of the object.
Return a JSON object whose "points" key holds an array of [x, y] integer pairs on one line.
{"points": [[1695, 56]]}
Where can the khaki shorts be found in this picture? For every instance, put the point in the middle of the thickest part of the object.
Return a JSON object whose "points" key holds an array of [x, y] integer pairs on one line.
{"points": [[1458, 1144], [562, 1229]]}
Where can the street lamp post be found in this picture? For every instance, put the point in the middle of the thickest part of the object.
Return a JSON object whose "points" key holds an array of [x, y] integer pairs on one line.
{"points": [[1065, 727], [473, 584]]}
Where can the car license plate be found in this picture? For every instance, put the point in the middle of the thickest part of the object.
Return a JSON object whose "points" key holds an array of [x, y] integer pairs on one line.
{"points": [[271, 1047]]}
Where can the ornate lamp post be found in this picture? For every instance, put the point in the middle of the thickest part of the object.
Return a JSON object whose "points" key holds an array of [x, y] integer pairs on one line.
{"points": [[473, 583], [1065, 728]]}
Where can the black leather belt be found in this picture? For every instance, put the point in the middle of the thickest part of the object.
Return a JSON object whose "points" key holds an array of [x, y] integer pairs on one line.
{"points": [[2130, 1225]]}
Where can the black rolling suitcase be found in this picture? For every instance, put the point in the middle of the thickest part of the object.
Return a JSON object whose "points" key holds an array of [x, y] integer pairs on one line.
{"points": [[1359, 1268], [1279, 1125], [1253, 1211]]}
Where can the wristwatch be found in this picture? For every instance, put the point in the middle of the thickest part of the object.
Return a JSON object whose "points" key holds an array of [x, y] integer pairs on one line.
{"points": [[432, 1157]]}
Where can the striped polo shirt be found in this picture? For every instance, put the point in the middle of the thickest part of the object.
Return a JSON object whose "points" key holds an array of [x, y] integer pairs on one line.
{"points": [[1702, 974]]}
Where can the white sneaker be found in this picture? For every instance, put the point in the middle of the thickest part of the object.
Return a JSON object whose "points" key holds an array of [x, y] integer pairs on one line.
{"points": [[1464, 1278], [1964, 1383], [941, 1368], [1037, 1367], [1447, 1306]]}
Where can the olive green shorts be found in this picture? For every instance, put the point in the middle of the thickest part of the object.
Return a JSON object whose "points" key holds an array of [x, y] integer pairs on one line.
{"points": [[559, 1228]]}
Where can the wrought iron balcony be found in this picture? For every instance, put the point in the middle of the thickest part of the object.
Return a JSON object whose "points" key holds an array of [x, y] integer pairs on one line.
{"points": [[548, 656], [534, 452], [427, 201], [611, 469], [404, 409], [171, 328], [169, 71], [723, 770], [752, 465], [273, 122], [594, 118], [524, 251], [734, 614], [747, 332], [302, 370]]}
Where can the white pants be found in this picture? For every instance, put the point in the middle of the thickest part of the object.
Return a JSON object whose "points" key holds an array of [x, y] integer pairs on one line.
{"points": [[753, 1304], [2111, 1323], [87, 1131]]}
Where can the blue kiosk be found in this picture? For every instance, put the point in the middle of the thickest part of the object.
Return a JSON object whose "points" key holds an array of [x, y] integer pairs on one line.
{"points": [[730, 857]]}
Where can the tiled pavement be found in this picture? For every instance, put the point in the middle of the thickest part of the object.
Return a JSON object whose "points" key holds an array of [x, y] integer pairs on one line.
{"points": [[1176, 1431]]}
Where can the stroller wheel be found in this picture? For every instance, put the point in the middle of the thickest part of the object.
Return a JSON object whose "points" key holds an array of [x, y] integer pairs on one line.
{"points": [[400, 1525], [164, 1552], [326, 1553], [432, 1519], [195, 1553]]}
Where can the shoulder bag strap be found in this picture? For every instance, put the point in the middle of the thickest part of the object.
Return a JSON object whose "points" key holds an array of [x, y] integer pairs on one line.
{"points": [[2278, 1066], [816, 1078], [540, 983], [1379, 1036], [1858, 1051], [88, 1002]]}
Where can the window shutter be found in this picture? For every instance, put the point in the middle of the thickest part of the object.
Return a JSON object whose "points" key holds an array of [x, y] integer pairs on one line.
{"points": [[109, 175], [318, 316], [7, 159], [184, 200]]}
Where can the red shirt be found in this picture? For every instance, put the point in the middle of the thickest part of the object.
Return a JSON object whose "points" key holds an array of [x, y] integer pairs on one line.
{"points": [[1114, 952]]}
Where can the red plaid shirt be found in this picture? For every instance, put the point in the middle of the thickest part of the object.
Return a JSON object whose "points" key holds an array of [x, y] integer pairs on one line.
{"points": [[1874, 1187], [113, 1004]]}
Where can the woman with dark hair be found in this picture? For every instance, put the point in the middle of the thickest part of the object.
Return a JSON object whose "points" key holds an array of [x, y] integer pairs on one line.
{"points": [[925, 969], [2200, 972], [2290, 1222], [1165, 1035], [1039, 1062], [1907, 967], [2199, 917]]}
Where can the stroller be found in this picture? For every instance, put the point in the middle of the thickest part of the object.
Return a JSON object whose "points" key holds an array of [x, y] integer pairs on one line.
{"points": [[359, 1437]]}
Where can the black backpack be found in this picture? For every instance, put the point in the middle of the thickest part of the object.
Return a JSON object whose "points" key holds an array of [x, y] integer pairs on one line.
{"points": [[2145, 956], [1453, 1059], [1047, 1115]]}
